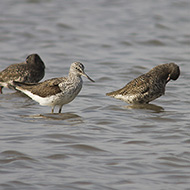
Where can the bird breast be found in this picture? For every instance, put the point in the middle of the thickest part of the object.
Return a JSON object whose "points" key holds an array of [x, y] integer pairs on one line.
{"points": [[71, 88]]}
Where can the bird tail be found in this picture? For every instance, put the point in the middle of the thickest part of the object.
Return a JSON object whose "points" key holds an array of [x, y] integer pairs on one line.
{"points": [[110, 94], [14, 84], [17, 85]]}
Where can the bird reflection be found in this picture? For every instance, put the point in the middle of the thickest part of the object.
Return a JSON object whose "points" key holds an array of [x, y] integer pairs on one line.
{"points": [[60, 116], [151, 107], [56, 116]]}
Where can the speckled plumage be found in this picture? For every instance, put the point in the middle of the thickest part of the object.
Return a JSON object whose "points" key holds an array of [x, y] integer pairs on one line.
{"points": [[56, 91], [30, 71], [149, 86]]}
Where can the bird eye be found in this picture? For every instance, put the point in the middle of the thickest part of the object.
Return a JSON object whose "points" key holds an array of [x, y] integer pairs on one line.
{"points": [[77, 69]]}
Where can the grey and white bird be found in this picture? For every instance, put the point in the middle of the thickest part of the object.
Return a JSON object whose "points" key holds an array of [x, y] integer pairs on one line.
{"points": [[55, 91]]}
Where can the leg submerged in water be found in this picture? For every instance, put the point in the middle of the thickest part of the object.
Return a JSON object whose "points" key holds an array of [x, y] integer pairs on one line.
{"points": [[1, 89]]}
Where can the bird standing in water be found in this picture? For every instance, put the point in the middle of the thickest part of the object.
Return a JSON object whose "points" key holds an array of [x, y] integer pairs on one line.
{"points": [[30, 71], [56, 91], [149, 86]]}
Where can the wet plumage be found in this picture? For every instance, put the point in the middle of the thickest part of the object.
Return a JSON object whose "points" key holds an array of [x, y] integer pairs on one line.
{"points": [[149, 86], [56, 91], [30, 71]]}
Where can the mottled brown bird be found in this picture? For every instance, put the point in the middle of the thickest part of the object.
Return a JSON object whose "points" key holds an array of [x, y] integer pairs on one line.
{"points": [[30, 71], [149, 86]]}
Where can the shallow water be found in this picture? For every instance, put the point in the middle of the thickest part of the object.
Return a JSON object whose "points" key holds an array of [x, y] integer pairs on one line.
{"points": [[97, 142]]}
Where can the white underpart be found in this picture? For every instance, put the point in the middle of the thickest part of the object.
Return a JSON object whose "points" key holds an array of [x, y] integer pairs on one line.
{"points": [[126, 98], [44, 101], [9, 83], [5, 84]]}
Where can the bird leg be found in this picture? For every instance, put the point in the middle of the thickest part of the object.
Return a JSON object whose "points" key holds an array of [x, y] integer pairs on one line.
{"points": [[60, 109], [1, 89]]}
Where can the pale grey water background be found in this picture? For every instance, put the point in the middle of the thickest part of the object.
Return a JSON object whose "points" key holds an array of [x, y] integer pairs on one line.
{"points": [[98, 143]]}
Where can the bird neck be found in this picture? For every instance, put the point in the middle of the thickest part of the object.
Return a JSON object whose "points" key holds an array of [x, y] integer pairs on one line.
{"points": [[73, 76], [161, 72]]}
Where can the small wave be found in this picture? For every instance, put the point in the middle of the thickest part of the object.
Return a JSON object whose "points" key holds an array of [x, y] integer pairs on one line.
{"points": [[152, 43], [86, 148], [11, 156], [57, 156]]}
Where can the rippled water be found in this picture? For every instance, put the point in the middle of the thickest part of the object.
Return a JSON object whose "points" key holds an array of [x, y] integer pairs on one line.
{"points": [[97, 142]]}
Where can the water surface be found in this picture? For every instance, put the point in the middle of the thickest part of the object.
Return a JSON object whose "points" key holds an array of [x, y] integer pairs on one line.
{"points": [[97, 142]]}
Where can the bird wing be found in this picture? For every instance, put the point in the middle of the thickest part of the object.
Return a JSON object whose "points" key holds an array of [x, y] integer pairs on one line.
{"points": [[13, 71], [43, 89], [139, 85]]}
